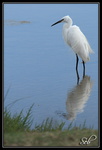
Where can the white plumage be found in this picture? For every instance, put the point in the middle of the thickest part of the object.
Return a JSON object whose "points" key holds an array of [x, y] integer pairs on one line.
{"points": [[76, 40]]}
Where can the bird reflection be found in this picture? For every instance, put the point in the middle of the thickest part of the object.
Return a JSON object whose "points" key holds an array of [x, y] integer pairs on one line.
{"points": [[77, 98]]}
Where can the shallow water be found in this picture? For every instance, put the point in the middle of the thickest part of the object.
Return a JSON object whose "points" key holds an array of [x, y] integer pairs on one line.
{"points": [[39, 67]]}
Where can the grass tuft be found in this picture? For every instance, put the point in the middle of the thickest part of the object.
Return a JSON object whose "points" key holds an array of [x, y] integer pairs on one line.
{"points": [[17, 122], [49, 125]]}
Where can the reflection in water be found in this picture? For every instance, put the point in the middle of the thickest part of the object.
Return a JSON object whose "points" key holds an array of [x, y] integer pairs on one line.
{"points": [[77, 98]]}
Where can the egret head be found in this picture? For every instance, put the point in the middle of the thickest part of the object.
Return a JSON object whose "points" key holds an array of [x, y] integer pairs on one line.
{"points": [[65, 19]]}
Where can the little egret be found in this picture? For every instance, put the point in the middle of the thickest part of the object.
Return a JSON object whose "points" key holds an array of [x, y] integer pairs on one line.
{"points": [[76, 40]]}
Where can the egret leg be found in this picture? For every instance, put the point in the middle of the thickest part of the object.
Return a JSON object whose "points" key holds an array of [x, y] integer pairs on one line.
{"points": [[77, 59], [83, 69]]}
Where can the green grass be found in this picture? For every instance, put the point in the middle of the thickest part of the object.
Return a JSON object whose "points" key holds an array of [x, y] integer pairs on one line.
{"points": [[49, 125], [17, 122], [17, 132]]}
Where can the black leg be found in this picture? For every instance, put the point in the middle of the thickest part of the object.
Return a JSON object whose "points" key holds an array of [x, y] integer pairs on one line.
{"points": [[83, 69], [77, 59]]}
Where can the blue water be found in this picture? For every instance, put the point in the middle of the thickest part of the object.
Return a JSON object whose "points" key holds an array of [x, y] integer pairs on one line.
{"points": [[39, 68]]}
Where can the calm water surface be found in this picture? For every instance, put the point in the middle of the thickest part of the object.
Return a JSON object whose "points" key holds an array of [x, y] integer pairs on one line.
{"points": [[39, 68]]}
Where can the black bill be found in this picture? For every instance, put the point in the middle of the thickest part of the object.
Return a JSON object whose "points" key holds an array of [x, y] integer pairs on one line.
{"points": [[57, 22]]}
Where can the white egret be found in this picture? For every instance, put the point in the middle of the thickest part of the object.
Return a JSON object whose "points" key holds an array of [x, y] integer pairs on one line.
{"points": [[76, 40]]}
